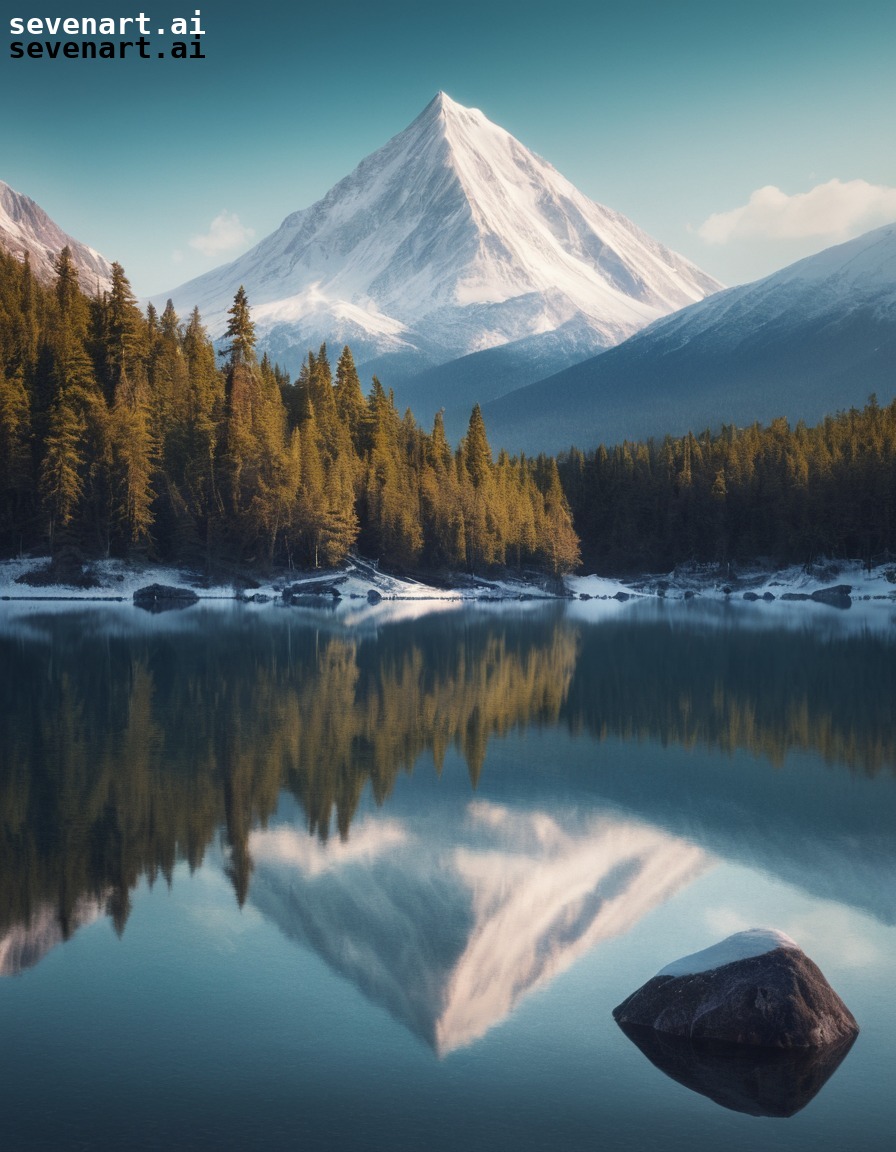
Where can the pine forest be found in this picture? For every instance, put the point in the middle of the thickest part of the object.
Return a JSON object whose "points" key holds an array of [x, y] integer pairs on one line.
{"points": [[125, 433], [120, 434]]}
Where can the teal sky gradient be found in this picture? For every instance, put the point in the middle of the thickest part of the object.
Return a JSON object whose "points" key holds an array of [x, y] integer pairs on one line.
{"points": [[666, 112]]}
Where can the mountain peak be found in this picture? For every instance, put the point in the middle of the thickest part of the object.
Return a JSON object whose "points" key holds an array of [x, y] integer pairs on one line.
{"points": [[443, 103], [441, 113], [451, 238]]}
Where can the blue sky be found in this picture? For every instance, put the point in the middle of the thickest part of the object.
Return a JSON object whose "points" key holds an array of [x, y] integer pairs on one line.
{"points": [[677, 114]]}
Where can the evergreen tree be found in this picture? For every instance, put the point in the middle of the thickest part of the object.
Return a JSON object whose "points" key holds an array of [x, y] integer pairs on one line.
{"points": [[484, 534], [240, 330], [15, 453], [393, 528], [350, 403]]}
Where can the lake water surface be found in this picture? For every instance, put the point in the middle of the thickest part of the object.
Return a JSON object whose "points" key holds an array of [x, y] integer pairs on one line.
{"points": [[279, 880]]}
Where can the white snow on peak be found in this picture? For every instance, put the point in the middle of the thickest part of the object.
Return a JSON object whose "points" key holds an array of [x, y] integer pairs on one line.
{"points": [[740, 946], [26, 228], [451, 237]]}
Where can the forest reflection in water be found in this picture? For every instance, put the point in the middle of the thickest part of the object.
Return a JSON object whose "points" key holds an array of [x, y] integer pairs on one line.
{"points": [[125, 751]]}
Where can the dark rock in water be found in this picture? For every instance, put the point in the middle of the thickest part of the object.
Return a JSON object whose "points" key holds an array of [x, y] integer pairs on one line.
{"points": [[750, 596], [768, 596], [622, 597], [690, 594], [164, 597], [758, 1081], [836, 597], [373, 597], [756, 988], [326, 586], [796, 596]]}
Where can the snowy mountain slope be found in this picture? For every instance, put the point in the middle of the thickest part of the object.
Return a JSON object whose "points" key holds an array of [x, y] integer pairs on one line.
{"points": [[450, 239], [25, 227], [813, 338]]}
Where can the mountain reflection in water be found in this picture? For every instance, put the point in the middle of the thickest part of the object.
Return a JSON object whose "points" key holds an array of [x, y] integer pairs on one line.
{"points": [[126, 750], [450, 922]]}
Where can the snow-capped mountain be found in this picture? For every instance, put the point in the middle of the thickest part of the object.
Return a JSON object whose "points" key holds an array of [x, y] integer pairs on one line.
{"points": [[814, 338], [450, 239], [25, 227]]}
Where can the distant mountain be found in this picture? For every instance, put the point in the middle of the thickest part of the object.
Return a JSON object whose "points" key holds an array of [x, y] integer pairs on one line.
{"points": [[451, 239], [25, 227], [816, 337], [486, 375]]}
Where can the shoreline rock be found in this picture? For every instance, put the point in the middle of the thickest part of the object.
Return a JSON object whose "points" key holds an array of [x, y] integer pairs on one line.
{"points": [[164, 598]]}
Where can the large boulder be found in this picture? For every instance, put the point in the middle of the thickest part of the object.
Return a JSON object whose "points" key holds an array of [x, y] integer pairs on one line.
{"points": [[756, 988], [837, 597]]}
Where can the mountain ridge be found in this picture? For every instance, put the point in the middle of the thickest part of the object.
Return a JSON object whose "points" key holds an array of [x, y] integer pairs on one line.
{"points": [[26, 228], [806, 341]]}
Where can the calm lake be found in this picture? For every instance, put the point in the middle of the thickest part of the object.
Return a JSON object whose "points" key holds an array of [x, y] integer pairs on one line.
{"points": [[275, 879]]}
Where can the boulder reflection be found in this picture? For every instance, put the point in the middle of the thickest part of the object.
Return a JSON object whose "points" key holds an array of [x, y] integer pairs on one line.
{"points": [[758, 1081]]}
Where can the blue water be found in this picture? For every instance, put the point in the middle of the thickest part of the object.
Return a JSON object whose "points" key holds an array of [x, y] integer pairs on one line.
{"points": [[442, 975]]}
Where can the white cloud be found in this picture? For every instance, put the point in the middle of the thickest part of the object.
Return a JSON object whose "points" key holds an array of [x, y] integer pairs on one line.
{"points": [[225, 233], [837, 210]]}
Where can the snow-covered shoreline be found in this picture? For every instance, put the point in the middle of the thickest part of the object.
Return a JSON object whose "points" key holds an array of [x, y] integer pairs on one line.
{"points": [[795, 583], [359, 587]]}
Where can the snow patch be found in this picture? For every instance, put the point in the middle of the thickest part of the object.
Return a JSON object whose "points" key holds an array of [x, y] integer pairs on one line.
{"points": [[740, 946]]}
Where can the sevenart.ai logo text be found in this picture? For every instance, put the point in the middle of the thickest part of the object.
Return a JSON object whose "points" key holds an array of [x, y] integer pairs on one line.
{"points": [[106, 38]]}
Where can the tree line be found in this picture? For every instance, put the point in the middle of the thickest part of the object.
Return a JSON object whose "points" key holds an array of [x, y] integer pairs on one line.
{"points": [[120, 433], [790, 494]]}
